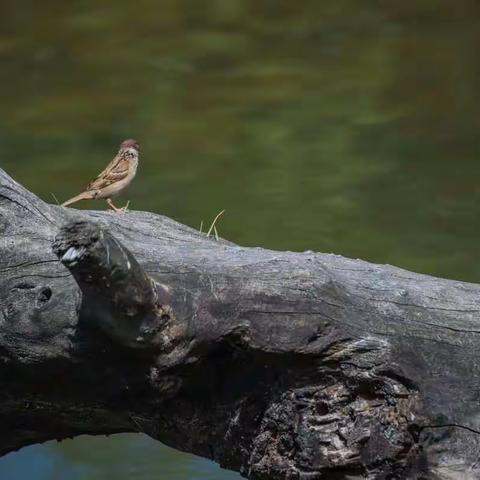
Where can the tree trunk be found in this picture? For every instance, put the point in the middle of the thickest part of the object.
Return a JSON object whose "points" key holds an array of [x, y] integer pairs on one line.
{"points": [[278, 365]]}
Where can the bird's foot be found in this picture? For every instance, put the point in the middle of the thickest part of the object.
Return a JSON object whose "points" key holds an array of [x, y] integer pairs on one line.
{"points": [[117, 209]]}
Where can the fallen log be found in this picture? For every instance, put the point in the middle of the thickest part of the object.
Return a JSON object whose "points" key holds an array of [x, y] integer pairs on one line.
{"points": [[279, 365]]}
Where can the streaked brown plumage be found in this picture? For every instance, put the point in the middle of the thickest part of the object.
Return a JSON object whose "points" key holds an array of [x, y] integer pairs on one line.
{"points": [[115, 178]]}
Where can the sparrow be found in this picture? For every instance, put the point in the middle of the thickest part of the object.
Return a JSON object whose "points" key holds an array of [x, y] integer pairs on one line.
{"points": [[115, 178]]}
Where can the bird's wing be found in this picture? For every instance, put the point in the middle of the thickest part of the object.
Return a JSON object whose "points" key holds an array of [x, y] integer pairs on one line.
{"points": [[116, 170]]}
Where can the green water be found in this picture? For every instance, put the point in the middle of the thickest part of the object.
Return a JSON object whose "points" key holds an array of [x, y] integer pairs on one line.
{"points": [[349, 127]]}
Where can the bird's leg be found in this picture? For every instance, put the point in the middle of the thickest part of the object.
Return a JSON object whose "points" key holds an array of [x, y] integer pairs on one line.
{"points": [[114, 208]]}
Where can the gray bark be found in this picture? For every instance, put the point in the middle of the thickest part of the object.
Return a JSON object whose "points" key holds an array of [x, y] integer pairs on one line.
{"points": [[278, 365]]}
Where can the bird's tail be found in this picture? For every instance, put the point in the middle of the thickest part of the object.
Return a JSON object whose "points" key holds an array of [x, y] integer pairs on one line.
{"points": [[81, 196]]}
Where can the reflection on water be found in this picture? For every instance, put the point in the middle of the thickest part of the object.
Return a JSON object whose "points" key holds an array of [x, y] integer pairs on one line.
{"points": [[124, 456], [349, 127]]}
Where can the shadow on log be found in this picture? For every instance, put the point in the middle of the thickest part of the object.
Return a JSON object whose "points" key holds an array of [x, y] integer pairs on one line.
{"points": [[278, 365]]}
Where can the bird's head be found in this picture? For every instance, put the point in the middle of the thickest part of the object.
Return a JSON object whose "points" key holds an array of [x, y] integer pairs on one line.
{"points": [[129, 144]]}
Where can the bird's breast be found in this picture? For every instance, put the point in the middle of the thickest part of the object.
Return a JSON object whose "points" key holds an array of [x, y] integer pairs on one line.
{"points": [[134, 165]]}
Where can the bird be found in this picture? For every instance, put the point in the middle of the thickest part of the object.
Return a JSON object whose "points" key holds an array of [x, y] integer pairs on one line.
{"points": [[114, 179]]}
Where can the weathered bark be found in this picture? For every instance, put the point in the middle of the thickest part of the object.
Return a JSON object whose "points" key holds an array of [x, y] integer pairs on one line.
{"points": [[279, 365]]}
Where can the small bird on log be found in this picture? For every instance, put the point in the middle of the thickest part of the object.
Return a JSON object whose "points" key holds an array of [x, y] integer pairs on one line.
{"points": [[114, 179]]}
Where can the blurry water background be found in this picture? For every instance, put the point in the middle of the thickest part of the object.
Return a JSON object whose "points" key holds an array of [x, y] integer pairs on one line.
{"points": [[349, 127]]}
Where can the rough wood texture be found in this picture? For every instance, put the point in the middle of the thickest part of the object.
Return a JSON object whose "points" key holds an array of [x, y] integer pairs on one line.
{"points": [[279, 365]]}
